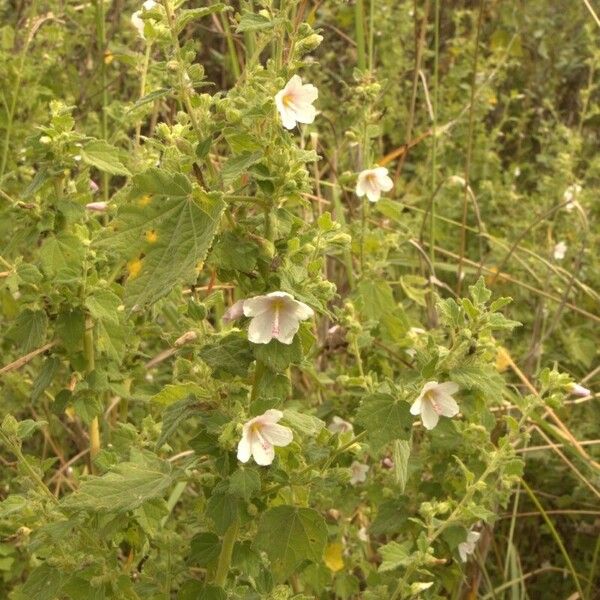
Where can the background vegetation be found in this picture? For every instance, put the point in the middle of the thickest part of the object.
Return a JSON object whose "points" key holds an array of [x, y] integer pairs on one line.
{"points": [[111, 335]]}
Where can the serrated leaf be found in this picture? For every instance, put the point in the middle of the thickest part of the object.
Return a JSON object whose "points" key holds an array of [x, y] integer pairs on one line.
{"points": [[187, 16], [29, 330], [175, 415], [305, 424], [103, 305], [231, 354], [204, 549], [45, 377], [278, 356], [172, 233], [124, 488], [394, 555], [290, 535], [104, 157], [43, 583], [62, 257], [237, 165], [251, 21], [161, 182], [481, 377], [176, 392], [385, 419], [244, 483]]}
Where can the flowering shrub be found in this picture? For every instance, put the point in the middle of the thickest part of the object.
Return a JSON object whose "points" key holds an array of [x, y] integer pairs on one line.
{"points": [[238, 360]]}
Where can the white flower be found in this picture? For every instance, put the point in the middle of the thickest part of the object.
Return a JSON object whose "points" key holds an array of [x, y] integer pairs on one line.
{"points": [[363, 534], [100, 207], [294, 102], [234, 312], [275, 316], [434, 400], [578, 390], [468, 547], [570, 196], [560, 250], [137, 21], [260, 435], [358, 472], [372, 182], [338, 425]]}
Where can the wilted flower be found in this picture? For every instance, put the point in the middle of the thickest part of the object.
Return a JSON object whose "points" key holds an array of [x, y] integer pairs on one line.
{"points": [[358, 472], [294, 102], [560, 250], [93, 186], [137, 21], [338, 425], [434, 400], [578, 390], [372, 182], [275, 316], [260, 435], [100, 207], [570, 196], [234, 312], [468, 547]]}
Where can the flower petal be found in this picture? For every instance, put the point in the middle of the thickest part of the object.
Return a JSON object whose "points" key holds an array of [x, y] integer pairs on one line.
{"points": [[448, 388], [277, 435], [302, 311], [446, 405], [244, 449], [288, 325], [256, 306], [429, 417], [270, 417], [417, 406], [261, 328], [262, 452]]}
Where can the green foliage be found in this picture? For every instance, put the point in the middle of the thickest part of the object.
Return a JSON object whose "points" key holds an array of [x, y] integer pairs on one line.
{"points": [[148, 190]]}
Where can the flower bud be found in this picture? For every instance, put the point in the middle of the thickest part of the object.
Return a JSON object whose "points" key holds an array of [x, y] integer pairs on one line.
{"points": [[99, 207]]}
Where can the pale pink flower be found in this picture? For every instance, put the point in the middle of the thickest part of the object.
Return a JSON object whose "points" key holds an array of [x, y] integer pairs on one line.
{"points": [[570, 196], [295, 102], [434, 400], [234, 312], [358, 472], [136, 19], [578, 390], [371, 182], [275, 316], [100, 207], [560, 250], [468, 547], [260, 435], [338, 425]]}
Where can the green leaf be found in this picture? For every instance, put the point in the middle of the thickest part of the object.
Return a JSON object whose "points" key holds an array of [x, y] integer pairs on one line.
{"points": [[479, 292], [175, 415], [385, 419], [104, 157], [480, 377], [234, 253], [161, 182], [167, 238], [176, 392], [103, 305], [401, 454], [278, 356], [251, 21], [231, 354], [62, 257], [305, 424], [222, 509], [244, 483], [70, 327], [43, 583], [29, 330], [289, 535], [395, 555], [237, 165], [204, 549], [376, 298], [187, 16], [45, 377], [126, 487]]}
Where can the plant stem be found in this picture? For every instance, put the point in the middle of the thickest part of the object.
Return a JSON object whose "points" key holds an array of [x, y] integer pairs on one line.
{"points": [[359, 25], [138, 126], [88, 350], [226, 553], [233, 57]]}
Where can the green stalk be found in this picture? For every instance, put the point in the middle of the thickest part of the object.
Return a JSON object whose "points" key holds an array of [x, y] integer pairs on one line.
{"points": [[101, 42], [226, 553], [88, 350], [556, 537], [138, 126], [359, 25], [233, 57]]}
